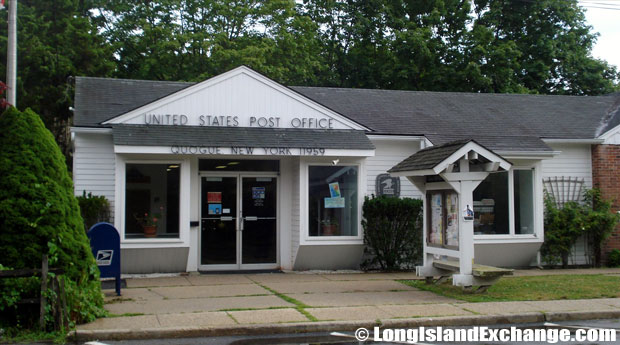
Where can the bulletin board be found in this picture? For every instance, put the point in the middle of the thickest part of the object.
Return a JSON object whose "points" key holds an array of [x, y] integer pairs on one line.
{"points": [[442, 219]]}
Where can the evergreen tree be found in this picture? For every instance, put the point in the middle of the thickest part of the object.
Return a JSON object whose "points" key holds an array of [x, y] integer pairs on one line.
{"points": [[39, 213]]}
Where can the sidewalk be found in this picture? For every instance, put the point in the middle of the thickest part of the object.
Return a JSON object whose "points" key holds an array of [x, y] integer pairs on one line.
{"points": [[225, 304]]}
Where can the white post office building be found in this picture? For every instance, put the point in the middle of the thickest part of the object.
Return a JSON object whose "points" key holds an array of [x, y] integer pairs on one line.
{"points": [[239, 172]]}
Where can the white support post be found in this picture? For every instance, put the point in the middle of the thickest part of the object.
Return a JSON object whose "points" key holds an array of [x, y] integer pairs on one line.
{"points": [[466, 228]]}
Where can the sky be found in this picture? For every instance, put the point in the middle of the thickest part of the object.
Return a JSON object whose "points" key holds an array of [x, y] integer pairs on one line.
{"points": [[604, 17]]}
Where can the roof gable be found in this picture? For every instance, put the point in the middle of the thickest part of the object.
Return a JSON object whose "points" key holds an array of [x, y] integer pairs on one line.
{"points": [[437, 159], [238, 98]]}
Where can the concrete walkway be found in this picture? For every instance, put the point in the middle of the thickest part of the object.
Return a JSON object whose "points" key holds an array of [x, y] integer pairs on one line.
{"points": [[188, 305]]}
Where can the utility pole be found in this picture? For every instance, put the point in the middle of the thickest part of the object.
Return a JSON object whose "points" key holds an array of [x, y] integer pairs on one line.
{"points": [[11, 58]]}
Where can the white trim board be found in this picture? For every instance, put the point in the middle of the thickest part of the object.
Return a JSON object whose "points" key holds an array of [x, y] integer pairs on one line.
{"points": [[226, 152]]}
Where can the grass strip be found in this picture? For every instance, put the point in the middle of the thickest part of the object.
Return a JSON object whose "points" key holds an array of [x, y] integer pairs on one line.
{"points": [[299, 306], [125, 314], [534, 288]]}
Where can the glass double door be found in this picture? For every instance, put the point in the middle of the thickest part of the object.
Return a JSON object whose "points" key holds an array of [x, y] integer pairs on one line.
{"points": [[239, 222]]}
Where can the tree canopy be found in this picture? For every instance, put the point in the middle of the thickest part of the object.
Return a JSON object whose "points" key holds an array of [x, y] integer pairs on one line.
{"points": [[514, 46], [507, 46], [55, 41]]}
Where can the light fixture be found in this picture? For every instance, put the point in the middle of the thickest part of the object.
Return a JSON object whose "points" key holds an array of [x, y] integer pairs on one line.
{"points": [[173, 166], [233, 163], [220, 167]]}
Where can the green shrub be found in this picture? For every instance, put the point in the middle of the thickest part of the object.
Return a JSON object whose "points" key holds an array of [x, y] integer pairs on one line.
{"points": [[94, 209], [613, 259], [563, 226], [392, 232], [39, 213], [599, 221]]}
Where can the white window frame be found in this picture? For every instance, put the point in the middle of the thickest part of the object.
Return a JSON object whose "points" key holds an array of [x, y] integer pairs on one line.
{"points": [[305, 238], [184, 204], [537, 236]]}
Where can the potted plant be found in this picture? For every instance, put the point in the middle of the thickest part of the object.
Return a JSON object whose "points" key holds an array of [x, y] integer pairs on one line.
{"points": [[330, 226], [148, 222]]}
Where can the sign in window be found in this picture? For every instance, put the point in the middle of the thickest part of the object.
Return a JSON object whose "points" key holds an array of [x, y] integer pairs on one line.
{"points": [[333, 200]]}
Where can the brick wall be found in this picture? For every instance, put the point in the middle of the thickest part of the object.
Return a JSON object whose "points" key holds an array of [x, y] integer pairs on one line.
{"points": [[606, 177]]}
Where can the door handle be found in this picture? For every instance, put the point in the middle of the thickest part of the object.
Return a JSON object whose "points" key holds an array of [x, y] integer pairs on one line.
{"points": [[226, 219], [251, 219]]}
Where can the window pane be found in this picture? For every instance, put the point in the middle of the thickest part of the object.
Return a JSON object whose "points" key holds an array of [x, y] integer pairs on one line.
{"points": [[524, 201], [152, 200], [491, 205], [333, 200]]}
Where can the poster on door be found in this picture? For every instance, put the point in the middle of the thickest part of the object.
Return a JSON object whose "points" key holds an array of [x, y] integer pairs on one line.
{"points": [[215, 209], [258, 195], [334, 190], [214, 197]]}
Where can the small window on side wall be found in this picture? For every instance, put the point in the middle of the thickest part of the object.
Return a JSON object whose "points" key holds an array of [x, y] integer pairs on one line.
{"points": [[333, 199], [524, 201], [152, 200]]}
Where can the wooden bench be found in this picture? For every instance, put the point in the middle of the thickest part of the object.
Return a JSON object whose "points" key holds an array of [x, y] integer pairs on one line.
{"points": [[487, 275]]}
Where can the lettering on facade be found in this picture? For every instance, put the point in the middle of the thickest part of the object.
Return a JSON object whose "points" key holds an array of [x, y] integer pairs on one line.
{"points": [[236, 121], [243, 151]]}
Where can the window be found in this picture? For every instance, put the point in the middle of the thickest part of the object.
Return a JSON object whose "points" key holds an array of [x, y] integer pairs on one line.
{"points": [[333, 200], [524, 201], [152, 200], [491, 206]]}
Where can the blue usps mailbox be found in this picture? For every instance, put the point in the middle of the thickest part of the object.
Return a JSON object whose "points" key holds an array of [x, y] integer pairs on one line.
{"points": [[106, 246]]}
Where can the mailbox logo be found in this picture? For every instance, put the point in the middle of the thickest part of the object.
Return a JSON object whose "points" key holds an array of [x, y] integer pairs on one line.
{"points": [[104, 257]]}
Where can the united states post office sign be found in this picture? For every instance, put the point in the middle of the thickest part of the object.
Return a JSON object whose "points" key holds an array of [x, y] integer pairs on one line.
{"points": [[387, 185]]}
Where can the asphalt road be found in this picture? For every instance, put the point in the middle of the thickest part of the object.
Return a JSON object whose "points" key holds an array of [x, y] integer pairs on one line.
{"points": [[347, 338]]}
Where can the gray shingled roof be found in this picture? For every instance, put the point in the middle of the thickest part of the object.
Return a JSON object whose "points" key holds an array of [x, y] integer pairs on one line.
{"points": [[497, 143], [239, 136], [100, 99], [435, 114], [507, 122], [429, 157]]}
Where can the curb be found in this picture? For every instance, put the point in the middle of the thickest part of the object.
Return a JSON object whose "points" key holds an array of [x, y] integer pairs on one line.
{"points": [[331, 326], [582, 315]]}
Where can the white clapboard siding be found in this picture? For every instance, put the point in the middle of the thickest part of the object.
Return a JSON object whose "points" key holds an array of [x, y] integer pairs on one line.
{"points": [[94, 166], [388, 154], [574, 160], [295, 210]]}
